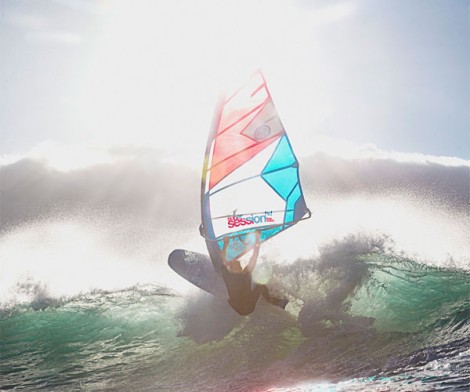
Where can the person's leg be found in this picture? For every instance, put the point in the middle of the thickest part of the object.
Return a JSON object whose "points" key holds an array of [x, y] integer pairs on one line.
{"points": [[272, 300], [256, 292]]}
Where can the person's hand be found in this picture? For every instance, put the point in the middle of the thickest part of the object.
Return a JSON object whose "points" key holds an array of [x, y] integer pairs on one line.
{"points": [[257, 235], [226, 240]]}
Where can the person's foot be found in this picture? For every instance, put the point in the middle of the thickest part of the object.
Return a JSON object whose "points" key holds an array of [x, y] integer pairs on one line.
{"points": [[281, 302]]}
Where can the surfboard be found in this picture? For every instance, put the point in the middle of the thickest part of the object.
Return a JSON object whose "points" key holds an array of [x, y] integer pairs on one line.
{"points": [[197, 269]]}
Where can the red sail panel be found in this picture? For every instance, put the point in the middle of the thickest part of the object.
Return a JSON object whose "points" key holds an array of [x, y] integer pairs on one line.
{"points": [[231, 141], [224, 168], [238, 119], [234, 145]]}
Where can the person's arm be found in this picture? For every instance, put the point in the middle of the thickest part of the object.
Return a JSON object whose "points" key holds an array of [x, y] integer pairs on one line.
{"points": [[254, 257], [224, 251]]}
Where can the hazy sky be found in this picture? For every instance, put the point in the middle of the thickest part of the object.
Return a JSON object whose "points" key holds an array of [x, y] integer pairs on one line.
{"points": [[391, 73]]}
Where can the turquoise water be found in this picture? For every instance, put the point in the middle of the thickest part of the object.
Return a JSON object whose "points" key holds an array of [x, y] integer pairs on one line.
{"points": [[368, 319]]}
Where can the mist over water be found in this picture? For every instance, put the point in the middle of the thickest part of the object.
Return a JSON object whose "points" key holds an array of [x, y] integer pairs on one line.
{"points": [[111, 225], [377, 278]]}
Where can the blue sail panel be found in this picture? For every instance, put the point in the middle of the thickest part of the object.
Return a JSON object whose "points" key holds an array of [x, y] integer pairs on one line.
{"points": [[291, 201], [282, 157], [282, 181]]}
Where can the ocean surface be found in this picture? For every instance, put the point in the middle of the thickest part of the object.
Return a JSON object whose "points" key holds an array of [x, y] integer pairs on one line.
{"points": [[378, 282]]}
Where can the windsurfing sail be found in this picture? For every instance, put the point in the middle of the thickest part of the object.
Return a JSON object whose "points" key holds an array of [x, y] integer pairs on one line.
{"points": [[250, 178]]}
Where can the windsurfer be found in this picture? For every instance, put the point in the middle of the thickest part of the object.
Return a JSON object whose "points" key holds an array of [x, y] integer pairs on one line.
{"points": [[243, 292]]}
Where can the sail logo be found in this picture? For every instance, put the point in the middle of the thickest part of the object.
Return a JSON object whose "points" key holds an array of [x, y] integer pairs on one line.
{"points": [[240, 220]]}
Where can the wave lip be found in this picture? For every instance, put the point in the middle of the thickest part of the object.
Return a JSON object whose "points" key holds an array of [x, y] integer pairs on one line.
{"points": [[361, 284]]}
